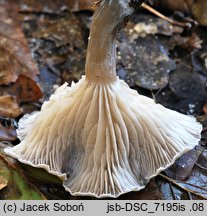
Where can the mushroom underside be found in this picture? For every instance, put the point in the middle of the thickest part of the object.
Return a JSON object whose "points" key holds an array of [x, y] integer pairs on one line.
{"points": [[103, 140]]}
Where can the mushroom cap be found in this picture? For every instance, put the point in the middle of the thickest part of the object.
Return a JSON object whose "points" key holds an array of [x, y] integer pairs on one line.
{"points": [[103, 140]]}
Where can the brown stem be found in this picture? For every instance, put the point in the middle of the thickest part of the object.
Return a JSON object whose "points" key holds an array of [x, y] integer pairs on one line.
{"points": [[101, 54]]}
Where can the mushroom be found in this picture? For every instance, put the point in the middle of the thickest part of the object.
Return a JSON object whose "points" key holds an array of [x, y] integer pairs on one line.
{"points": [[100, 137]]}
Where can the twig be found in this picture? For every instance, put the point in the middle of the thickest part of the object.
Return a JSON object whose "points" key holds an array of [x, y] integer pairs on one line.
{"points": [[193, 185], [174, 22], [180, 186]]}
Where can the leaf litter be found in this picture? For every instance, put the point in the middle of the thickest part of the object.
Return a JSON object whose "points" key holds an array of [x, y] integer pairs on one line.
{"points": [[18, 72], [18, 187], [175, 76], [15, 57], [3, 182]]}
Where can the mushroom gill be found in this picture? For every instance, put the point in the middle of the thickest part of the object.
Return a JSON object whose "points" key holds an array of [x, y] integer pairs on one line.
{"points": [[101, 137]]}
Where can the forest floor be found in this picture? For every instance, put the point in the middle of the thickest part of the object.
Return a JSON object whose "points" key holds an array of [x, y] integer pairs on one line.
{"points": [[43, 45]]}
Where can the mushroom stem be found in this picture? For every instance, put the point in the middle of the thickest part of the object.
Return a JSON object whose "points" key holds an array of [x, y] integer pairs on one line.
{"points": [[101, 54]]}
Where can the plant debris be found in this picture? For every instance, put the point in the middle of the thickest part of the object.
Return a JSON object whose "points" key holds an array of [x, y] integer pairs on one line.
{"points": [[3, 182], [43, 44], [18, 187], [15, 57]]}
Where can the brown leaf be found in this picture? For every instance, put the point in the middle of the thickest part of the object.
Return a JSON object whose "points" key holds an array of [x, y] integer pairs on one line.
{"points": [[25, 89], [15, 57], [9, 107], [199, 9], [3, 182]]}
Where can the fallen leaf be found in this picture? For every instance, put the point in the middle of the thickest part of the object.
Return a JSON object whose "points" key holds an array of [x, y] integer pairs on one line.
{"points": [[3, 182], [18, 186], [183, 167], [197, 182], [186, 90], [167, 190], [147, 62], [15, 57], [9, 107], [61, 49], [186, 164], [24, 89], [179, 82], [40, 175], [183, 190], [199, 9]]}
